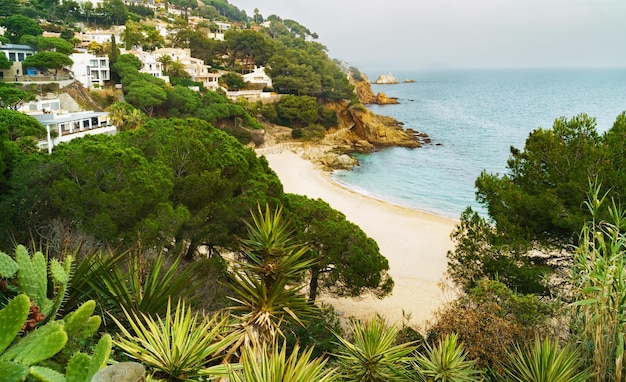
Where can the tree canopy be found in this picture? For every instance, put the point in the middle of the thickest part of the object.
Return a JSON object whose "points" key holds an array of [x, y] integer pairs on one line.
{"points": [[347, 261], [12, 97], [48, 60], [179, 183], [16, 26], [538, 203], [55, 44]]}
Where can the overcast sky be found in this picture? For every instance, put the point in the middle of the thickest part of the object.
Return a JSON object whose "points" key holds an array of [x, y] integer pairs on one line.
{"points": [[411, 34]]}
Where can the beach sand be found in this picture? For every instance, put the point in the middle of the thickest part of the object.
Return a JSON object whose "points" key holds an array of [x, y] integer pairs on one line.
{"points": [[414, 242]]}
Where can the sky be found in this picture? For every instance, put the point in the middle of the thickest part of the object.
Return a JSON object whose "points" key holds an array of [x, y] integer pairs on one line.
{"points": [[425, 34]]}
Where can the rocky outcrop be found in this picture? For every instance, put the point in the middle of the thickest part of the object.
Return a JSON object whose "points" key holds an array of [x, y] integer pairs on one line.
{"points": [[382, 99], [386, 79], [364, 91], [327, 157], [361, 130]]}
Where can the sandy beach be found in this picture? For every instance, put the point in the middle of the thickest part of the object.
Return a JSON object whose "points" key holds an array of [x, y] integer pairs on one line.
{"points": [[414, 242]]}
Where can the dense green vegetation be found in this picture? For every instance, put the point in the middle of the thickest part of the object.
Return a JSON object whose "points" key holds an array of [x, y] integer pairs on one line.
{"points": [[202, 266]]}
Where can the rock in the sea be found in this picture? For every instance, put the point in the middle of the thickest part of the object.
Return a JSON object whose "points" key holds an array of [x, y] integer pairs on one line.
{"points": [[386, 79], [364, 91], [409, 81], [382, 99]]}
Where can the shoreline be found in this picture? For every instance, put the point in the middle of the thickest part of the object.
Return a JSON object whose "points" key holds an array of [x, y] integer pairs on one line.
{"points": [[414, 242]]}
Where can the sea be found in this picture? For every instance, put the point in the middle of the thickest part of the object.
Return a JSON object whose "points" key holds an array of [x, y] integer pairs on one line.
{"points": [[473, 117]]}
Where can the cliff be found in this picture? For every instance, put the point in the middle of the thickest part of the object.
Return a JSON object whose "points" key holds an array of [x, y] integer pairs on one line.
{"points": [[364, 91]]}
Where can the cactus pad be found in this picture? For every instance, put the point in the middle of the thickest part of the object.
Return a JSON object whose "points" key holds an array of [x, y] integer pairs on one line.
{"points": [[46, 374], [12, 317], [13, 372], [78, 368], [8, 266]]}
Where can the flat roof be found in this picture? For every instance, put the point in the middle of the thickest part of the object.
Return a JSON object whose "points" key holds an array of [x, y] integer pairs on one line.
{"points": [[16, 47], [47, 119]]}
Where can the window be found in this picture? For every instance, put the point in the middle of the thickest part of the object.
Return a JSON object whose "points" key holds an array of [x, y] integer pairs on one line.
{"points": [[20, 57], [86, 123], [103, 63], [12, 57], [93, 63]]}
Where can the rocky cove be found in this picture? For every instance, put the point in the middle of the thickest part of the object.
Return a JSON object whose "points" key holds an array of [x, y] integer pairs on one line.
{"points": [[358, 131]]}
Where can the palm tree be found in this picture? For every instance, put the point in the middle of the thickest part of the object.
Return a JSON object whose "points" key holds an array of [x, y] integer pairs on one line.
{"points": [[177, 69], [373, 357], [165, 60], [268, 283]]}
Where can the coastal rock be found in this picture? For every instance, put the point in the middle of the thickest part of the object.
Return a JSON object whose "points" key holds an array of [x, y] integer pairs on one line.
{"points": [[356, 125], [325, 156], [409, 81], [386, 79], [382, 99], [363, 90]]}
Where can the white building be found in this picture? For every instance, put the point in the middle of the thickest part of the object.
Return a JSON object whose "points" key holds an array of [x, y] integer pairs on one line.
{"points": [[104, 36], [149, 63], [90, 70], [258, 77], [41, 106], [63, 127], [197, 69], [16, 53]]}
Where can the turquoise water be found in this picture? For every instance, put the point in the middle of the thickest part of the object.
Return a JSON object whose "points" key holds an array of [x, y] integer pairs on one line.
{"points": [[473, 118]]}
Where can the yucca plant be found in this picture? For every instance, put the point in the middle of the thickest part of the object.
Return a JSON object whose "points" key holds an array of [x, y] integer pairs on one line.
{"points": [[445, 362], [130, 282], [600, 278], [179, 344], [372, 356], [268, 282], [544, 361], [263, 365]]}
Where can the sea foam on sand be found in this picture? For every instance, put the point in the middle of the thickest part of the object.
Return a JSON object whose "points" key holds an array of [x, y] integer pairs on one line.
{"points": [[414, 242]]}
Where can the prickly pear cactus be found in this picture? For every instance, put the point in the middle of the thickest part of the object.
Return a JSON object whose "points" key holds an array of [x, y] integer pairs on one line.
{"points": [[8, 266], [13, 372], [33, 275], [80, 323], [12, 317], [83, 367], [38, 345], [45, 374]]}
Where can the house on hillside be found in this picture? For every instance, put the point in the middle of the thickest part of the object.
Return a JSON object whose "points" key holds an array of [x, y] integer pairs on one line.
{"points": [[90, 70], [103, 36], [149, 63], [63, 127], [16, 53], [197, 69], [258, 78]]}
